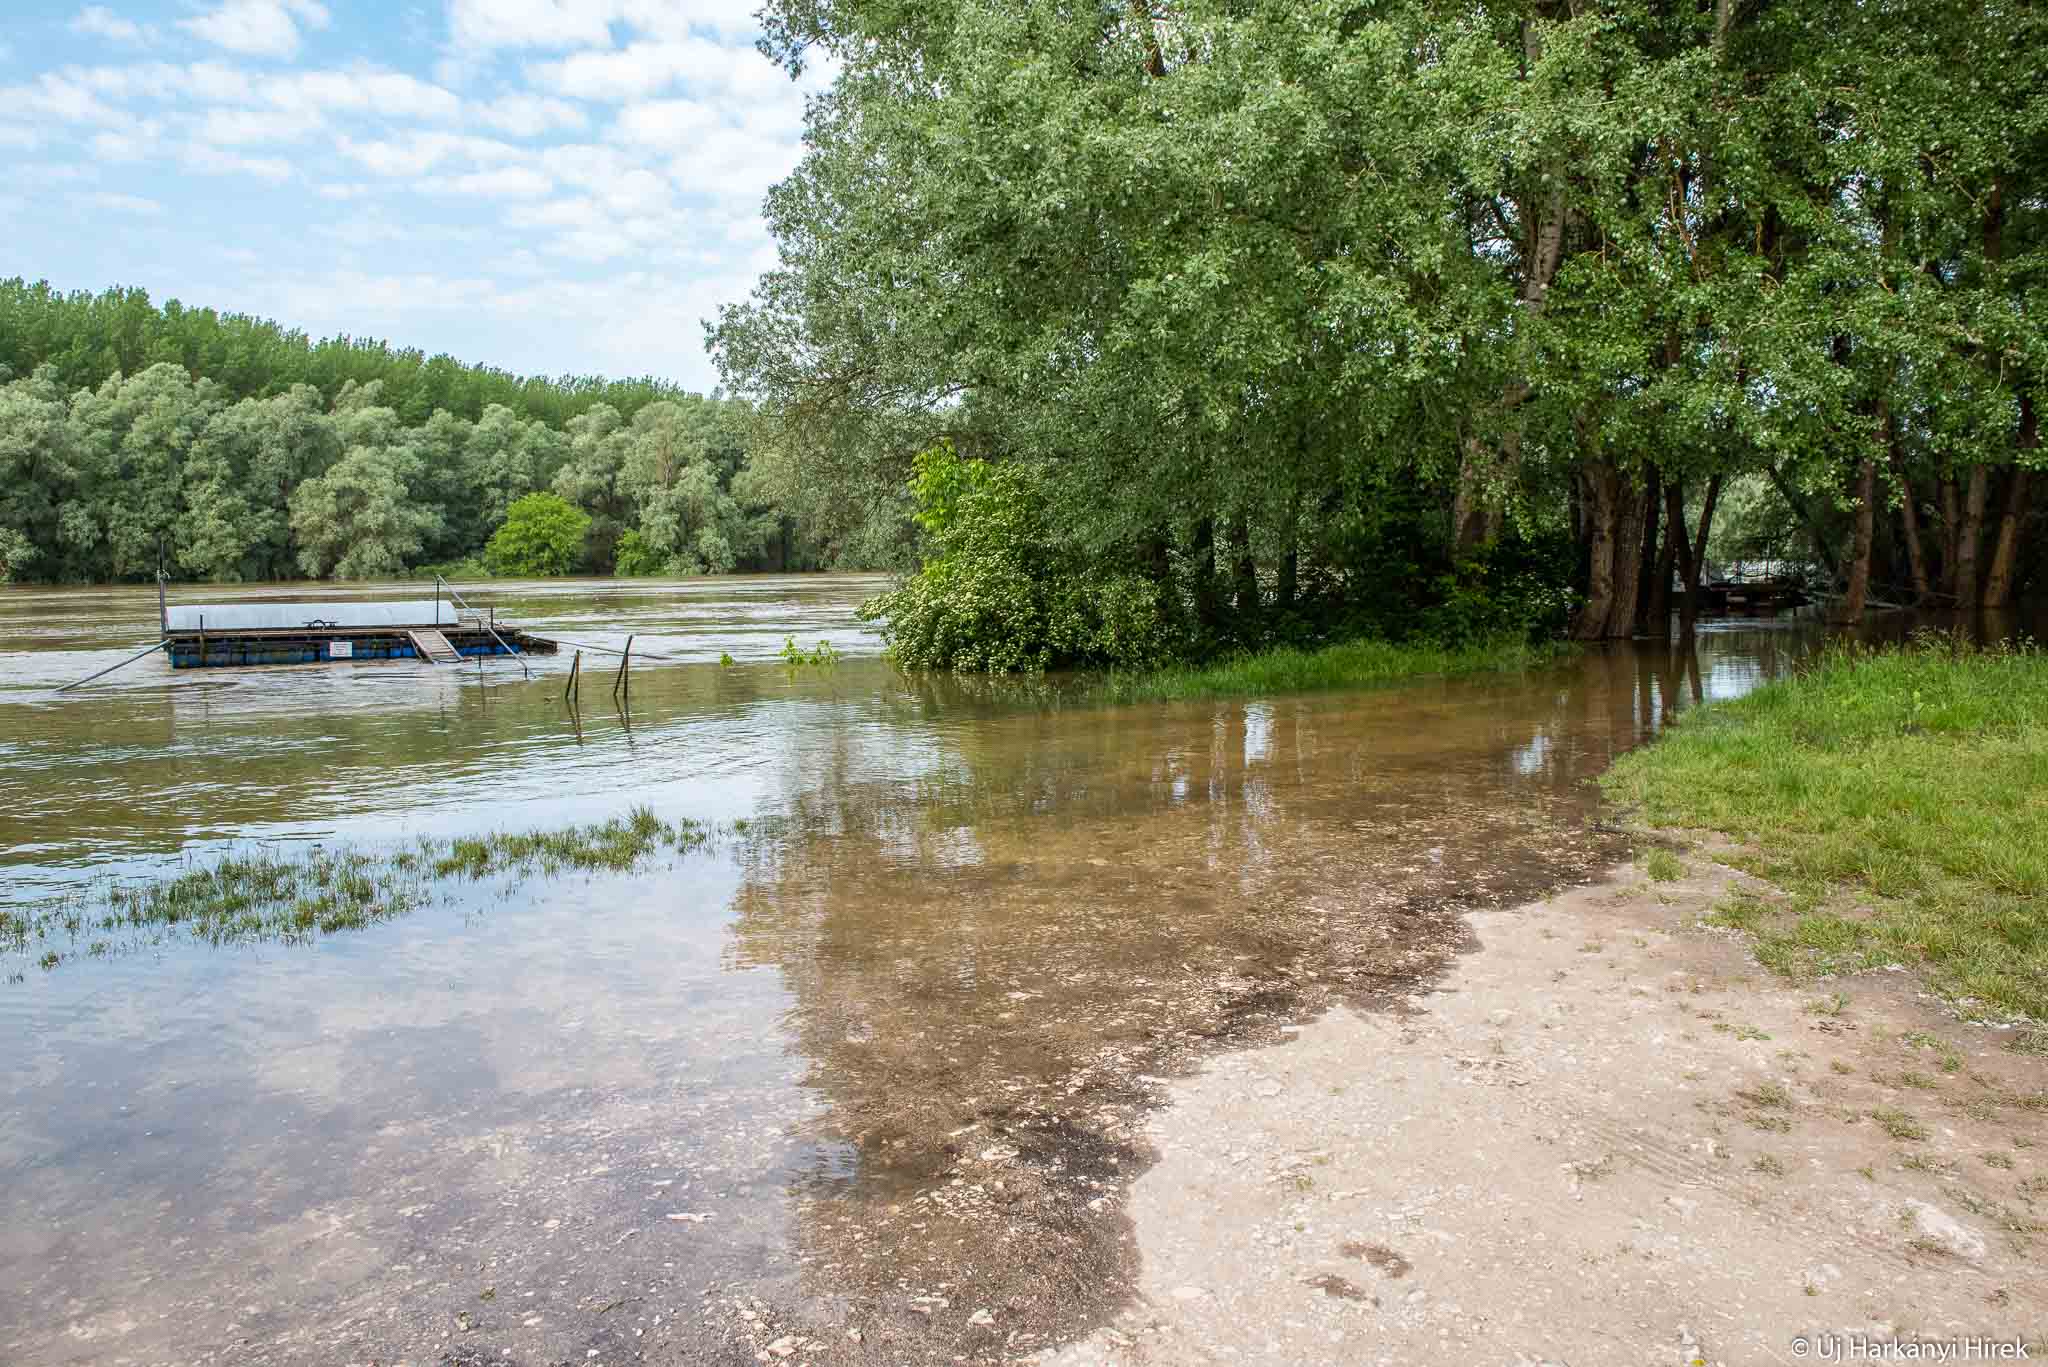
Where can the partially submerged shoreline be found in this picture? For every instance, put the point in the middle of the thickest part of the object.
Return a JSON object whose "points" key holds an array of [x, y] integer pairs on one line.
{"points": [[293, 895], [1892, 803], [973, 1191], [1678, 1114], [1366, 663], [1603, 1135]]}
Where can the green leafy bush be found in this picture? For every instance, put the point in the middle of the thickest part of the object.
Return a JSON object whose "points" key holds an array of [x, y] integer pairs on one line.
{"points": [[635, 557], [999, 594], [1515, 590], [542, 535], [469, 567], [16, 551]]}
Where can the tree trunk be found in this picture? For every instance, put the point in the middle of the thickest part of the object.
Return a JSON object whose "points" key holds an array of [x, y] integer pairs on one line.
{"points": [[1629, 515], [1600, 495], [1909, 521], [1290, 559], [2000, 581], [1155, 60], [1849, 612], [1696, 554], [1951, 535], [1969, 535], [1244, 573], [1653, 600], [1668, 558], [1208, 601]]}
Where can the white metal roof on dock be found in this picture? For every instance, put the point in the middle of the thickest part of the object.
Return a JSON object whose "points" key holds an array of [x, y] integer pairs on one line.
{"points": [[293, 616]]}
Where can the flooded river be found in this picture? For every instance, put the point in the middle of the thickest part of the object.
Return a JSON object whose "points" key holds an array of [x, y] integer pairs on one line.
{"points": [[858, 1081]]}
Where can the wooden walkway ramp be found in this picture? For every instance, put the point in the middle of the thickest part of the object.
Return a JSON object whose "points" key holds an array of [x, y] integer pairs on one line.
{"points": [[432, 645]]}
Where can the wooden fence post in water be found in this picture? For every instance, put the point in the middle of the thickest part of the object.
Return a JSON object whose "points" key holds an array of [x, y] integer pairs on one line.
{"points": [[575, 674], [625, 659]]}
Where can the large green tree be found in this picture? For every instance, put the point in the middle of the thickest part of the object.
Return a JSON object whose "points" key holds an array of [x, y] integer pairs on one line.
{"points": [[543, 534], [1232, 272]]}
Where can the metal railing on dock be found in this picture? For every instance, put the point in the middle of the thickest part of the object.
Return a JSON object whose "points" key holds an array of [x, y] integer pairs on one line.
{"points": [[490, 625]]}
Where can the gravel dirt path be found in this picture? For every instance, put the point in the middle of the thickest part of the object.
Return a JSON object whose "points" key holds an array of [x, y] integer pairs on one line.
{"points": [[1604, 1136]]}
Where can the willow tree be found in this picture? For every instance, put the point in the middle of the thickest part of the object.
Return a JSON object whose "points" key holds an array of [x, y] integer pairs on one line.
{"points": [[1234, 268], [1233, 271]]}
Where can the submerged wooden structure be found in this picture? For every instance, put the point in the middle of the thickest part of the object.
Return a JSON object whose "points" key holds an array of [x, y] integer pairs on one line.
{"points": [[1751, 598], [442, 630]]}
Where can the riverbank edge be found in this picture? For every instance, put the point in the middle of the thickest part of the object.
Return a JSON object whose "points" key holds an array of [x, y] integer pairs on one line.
{"points": [[1604, 1133], [1887, 802], [1366, 663]]}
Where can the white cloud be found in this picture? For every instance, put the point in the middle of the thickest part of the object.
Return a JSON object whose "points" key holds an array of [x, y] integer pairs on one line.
{"points": [[258, 28], [528, 116], [346, 190], [530, 23], [506, 182], [213, 161], [666, 124], [368, 90], [123, 204], [213, 81], [242, 127], [416, 153], [97, 21], [493, 24], [133, 143], [24, 139], [57, 172], [60, 97], [648, 68]]}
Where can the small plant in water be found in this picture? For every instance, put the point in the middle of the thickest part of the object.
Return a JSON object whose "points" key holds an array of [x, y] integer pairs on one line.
{"points": [[823, 653], [296, 896]]}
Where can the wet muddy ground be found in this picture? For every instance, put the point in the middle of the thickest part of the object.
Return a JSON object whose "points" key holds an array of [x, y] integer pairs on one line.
{"points": [[866, 1083]]}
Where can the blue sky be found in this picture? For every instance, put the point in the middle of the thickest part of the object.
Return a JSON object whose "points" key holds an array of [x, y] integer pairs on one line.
{"points": [[543, 185]]}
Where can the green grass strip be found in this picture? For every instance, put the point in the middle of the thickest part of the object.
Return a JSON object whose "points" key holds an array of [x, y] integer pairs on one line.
{"points": [[1353, 664], [1898, 797]]}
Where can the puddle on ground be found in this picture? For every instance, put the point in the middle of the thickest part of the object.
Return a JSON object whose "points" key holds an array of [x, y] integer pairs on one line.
{"points": [[864, 1083]]}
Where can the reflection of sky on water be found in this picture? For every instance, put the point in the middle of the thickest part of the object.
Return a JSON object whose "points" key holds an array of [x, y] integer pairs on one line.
{"points": [[1258, 731]]}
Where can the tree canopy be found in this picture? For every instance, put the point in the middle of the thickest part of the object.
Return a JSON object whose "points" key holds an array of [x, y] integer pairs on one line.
{"points": [[542, 535], [1295, 305]]}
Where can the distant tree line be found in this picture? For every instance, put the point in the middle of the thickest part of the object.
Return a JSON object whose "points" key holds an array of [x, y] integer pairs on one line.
{"points": [[227, 448], [87, 337], [1313, 318]]}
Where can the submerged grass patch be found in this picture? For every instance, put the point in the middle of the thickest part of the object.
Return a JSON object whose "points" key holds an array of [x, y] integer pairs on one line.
{"points": [[1898, 797], [296, 895], [1353, 664]]}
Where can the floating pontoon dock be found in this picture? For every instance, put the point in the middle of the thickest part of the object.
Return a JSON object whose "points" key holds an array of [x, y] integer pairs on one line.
{"points": [[207, 635]]}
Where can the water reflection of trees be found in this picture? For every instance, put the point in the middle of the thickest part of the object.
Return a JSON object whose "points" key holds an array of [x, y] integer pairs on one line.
{"points": [[996, 924]]}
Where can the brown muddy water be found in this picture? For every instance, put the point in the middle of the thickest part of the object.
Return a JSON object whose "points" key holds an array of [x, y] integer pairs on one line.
{"points": [[858, 1082]]}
